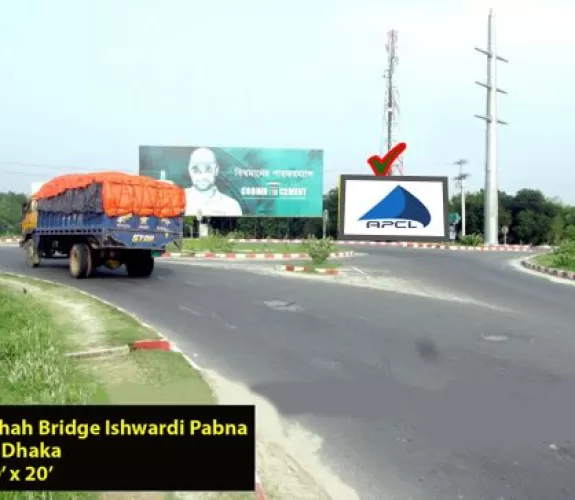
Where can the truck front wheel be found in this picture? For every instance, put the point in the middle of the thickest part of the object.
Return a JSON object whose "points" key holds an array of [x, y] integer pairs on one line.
{"points": [[140, 265], [80, 261], [32, 256]]}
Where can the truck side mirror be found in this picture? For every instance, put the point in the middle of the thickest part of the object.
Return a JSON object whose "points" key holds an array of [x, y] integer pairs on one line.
{"points": [[24, 207]]}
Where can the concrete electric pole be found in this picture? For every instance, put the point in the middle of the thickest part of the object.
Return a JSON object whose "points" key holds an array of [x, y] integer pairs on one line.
{"points": [[460, 180], [491, 202]]}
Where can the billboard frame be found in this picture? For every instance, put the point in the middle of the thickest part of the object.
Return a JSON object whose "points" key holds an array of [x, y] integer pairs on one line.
{"points": [[424, 239], [321, 172]]}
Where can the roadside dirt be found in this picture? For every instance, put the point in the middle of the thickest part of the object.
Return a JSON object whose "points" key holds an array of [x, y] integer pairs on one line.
{"points": [[350, 275]]}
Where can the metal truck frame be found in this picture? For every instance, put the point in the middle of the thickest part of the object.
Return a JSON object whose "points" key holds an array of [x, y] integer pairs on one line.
{"points": [[92, 240]]}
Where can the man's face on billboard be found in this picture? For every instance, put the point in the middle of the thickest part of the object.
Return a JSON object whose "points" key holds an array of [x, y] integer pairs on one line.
{"points": [[203, 169]]}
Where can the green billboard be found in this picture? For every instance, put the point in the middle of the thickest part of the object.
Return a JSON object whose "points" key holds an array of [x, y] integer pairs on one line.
{"points": [[241, 182]]}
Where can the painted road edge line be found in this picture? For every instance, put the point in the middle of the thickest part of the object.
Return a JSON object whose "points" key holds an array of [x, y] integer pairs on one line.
{"points": [[259, 491], [551, 271]]}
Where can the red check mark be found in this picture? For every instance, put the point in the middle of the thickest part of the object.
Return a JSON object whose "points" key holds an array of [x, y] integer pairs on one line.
{"points": [[382, 166]]}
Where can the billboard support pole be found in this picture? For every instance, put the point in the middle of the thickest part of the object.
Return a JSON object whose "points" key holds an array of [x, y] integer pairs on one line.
{"points": [[324, 221]]}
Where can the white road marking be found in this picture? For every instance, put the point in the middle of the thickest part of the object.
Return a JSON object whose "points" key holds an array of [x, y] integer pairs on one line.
{"points": [[191, 311]]}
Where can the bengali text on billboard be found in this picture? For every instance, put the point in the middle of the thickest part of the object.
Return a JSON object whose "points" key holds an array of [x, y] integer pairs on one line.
{"points": [[241, 182]]}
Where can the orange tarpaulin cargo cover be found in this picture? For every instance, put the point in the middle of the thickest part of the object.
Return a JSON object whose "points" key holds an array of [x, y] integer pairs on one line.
{"points": [[117, 194]]}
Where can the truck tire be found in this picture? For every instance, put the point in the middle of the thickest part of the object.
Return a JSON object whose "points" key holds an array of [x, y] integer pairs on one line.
{"points": [[32, 256], [140, 265], [80, 261]]}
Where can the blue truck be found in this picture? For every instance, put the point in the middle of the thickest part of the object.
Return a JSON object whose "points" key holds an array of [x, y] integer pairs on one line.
{"points": [[91, 239]]}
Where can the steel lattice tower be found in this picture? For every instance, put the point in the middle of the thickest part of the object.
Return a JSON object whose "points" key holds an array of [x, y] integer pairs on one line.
{"points": [[391, 109]]}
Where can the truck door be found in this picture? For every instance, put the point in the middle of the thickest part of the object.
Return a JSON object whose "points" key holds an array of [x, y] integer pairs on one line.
{"points": [[29, 216]]}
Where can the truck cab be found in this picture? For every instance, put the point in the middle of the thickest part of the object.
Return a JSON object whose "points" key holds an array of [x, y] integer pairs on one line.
{"points": [[29, 216]]}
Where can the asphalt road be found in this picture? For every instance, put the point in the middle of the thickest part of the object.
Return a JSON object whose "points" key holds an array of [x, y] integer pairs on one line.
{"points": [[415, 397]]}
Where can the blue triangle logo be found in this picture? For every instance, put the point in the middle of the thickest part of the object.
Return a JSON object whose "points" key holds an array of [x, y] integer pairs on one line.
{"points": [[399, 204]]}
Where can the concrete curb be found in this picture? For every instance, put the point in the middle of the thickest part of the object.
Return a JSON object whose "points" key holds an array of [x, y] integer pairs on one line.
{"points": [[260, 493], [406, 244], [558, 273], [251, 256], [152, 345], [107, 352], [163, 343], [280, 256], [306, 269]]}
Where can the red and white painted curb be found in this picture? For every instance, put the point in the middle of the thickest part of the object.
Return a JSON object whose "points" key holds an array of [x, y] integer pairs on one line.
{"points": [[283, 256], [161, 344], [306, 269], [165, 345], [252, 256], [407, 244], [260, 494], [559, 273]]}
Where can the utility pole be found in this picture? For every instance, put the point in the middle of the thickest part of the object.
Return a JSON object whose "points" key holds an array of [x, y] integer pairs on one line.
{"points": [[460, 180], [391, 111], [491, 202]]}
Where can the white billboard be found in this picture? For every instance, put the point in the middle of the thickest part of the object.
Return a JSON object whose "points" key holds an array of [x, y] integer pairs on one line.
{"points": [[393, 208]]}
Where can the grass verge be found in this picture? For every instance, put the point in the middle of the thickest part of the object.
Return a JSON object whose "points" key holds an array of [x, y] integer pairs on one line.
{"points": [[222, 245], [40, 322], [551, 260]]}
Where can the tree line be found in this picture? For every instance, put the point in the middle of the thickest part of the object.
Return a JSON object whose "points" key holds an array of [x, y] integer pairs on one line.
{"points": [[531, 218]]}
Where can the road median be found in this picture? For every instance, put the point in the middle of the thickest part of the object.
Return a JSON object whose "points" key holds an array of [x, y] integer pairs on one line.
{"points": [[560, 262], [327, 268], [400, 244], [253, 256]]}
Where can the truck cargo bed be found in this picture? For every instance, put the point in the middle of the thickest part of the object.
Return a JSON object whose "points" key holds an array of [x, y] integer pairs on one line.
{"points": [[113, 232]]}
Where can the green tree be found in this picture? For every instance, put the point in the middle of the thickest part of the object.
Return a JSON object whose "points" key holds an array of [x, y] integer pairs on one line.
{"points": [[11, 212]]}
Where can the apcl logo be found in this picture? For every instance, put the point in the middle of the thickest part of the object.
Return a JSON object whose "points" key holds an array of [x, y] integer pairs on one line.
{"points": [[399, 209]]}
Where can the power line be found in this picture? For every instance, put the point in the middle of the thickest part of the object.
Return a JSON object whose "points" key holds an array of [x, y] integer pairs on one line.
{"points": [[73, 169], [38, 165]]}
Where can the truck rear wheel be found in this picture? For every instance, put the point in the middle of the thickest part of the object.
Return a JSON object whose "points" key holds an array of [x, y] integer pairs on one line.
{"points": [[80, 261], [140, 265], [32, 256]]}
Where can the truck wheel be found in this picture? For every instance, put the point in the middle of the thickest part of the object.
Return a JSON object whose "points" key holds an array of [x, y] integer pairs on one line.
{"points": [[140, 266], [80, 261], [32, 257]]}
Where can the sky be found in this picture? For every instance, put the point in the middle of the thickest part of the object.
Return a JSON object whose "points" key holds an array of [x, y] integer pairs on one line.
{"points": [[83, 84]]}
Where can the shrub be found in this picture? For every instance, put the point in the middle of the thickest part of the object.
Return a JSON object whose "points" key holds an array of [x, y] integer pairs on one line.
{"points": [[318, 250], [471, 240], [237, 235], [564, 255], [217, 243]]}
